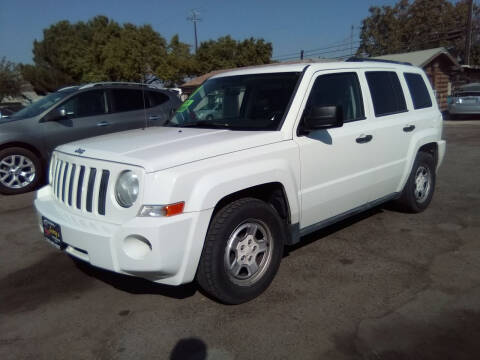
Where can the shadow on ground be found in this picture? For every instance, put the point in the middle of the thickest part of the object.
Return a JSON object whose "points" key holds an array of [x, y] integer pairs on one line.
{"points": [[135, 285], [189, 349]]}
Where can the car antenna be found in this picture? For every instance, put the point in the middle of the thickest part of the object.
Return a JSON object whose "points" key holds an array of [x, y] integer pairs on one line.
{"points": [[144, 107]]}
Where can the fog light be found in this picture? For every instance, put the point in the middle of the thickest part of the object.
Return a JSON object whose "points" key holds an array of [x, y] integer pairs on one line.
{"points": [[136, 246]]}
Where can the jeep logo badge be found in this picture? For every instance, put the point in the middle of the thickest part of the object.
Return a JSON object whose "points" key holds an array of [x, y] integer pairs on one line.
{"points": [[80, 151]]}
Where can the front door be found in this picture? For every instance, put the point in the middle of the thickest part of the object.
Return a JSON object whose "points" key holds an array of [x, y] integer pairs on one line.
{"points": [[335, 163], [85, 114]]}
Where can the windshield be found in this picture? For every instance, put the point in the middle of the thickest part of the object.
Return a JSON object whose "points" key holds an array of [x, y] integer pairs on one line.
{"points": [[41, 105], [245, 102]]}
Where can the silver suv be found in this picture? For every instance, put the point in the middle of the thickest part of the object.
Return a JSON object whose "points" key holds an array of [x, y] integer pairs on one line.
{"points": [[28, 137]]}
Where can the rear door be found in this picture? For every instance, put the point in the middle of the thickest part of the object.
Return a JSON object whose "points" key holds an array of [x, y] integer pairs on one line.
{"points": [[160, 107], [128, 109], [396, 120]]}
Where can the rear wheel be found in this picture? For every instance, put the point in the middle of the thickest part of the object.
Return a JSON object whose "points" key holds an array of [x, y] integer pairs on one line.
{"points": [[20, 171], [242, 251], [418, 191]]}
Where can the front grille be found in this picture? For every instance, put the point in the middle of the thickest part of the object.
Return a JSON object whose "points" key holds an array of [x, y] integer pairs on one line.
{"points": [[79, 185]]}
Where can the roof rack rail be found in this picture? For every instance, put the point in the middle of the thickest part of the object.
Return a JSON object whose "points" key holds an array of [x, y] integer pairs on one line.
{"points": [[124, 83], [357, 59], [68, 87]]}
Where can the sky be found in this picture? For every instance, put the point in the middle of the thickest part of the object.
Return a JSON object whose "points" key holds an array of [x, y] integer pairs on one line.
{"points": [[315, 25]]}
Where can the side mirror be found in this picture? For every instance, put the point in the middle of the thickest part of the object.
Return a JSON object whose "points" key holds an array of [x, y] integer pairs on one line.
{"points": [[322, 117], [56, 114]]}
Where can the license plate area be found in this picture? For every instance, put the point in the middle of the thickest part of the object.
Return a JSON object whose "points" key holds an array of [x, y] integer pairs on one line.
{"points": [[53, 233]]}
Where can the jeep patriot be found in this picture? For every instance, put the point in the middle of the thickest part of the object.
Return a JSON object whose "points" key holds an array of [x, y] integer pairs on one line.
{"points": [[291, 149]]}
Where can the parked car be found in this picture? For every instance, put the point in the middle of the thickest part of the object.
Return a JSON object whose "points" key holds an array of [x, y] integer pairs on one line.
{"points": [[465, 101], [28, 137], [210, 112], [298, 147]]}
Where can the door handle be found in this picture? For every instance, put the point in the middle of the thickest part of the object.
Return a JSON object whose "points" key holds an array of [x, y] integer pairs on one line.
{"points": [[154, 117], [103, 123], [364, 139], [409, 128]]}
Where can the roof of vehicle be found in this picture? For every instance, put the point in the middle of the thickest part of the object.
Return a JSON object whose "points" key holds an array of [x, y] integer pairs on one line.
{"points": [[114, 84], [470, 87], [298, 67]]}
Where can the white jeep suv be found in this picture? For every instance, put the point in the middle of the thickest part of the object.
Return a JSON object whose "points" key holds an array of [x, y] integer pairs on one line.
{"points": [[296, 148]]}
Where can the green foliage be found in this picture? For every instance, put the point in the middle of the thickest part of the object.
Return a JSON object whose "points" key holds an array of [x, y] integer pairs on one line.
{"points": [[422, 24], [10, 80], [228, 53], [103, 50], [97, 50]]}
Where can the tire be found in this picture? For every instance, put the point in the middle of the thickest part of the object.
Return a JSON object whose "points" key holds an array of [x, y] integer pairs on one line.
{"points": [[418, 191], [238, 262], [20, 171]]}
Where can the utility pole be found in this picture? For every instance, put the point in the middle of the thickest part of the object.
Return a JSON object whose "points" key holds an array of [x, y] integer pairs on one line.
{"points": [[468, 40], [194, 18]]}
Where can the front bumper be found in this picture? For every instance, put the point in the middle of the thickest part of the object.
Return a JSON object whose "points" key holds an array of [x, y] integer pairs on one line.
{"points": [[175, 243]]}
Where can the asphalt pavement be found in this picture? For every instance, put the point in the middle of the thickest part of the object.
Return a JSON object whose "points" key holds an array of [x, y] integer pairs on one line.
{"points": [[382, 285]]}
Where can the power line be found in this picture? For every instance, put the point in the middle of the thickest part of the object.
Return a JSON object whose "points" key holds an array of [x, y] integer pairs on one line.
{"points": [[345, 49], [331, 45], [448, 35]]}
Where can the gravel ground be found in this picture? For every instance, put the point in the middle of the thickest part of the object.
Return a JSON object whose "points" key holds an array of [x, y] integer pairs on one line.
{"points": [[382, 285]]}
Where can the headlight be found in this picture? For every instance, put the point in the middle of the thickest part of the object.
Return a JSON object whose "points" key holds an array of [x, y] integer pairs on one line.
{"points": [[126, 189]]}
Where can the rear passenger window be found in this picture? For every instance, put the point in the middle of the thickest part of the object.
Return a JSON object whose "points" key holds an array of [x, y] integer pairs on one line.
{"points": [[341, 89], [386, 91], [418, 91], [157, 98], [127, 100]]}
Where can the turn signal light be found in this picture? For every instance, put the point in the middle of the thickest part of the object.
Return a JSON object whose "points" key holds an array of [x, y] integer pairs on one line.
{"points": [[174, 209], [161, 210]]}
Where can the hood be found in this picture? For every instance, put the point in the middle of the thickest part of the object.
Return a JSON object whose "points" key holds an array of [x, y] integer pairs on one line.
{"points": [[10, 119], [159, 148]]}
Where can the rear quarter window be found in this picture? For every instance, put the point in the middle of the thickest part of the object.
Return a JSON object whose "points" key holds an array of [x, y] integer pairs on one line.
{"points": [[386, 91], [418, 91], [157, 98]]}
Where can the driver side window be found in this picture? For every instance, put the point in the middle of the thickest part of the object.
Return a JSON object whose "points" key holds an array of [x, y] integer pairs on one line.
{"points": [[88, 103], [342, 89]]}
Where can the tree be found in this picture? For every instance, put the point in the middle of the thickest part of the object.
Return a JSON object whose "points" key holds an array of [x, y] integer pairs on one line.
{"points": [[100, 50], [419, 25], [180, 63], [103, 50], [228, 53], [10, 79]]}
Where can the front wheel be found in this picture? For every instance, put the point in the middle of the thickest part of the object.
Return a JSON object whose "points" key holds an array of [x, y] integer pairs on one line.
{"points": [[242, 251], [418, 191], [20, 171]]}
